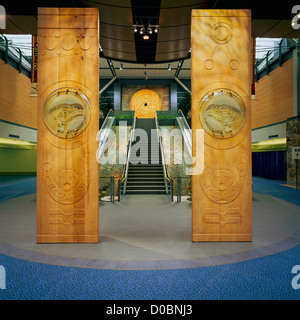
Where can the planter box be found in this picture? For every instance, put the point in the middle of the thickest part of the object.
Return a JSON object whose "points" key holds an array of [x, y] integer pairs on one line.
{"points": [[166, 122], [123, 121]]}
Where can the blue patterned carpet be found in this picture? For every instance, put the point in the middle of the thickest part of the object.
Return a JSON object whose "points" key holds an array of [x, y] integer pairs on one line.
{"points": [[13, 186], [266, 278]]}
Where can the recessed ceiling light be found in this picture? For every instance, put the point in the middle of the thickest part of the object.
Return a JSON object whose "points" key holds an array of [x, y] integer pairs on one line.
{"points": [[146, 37]]}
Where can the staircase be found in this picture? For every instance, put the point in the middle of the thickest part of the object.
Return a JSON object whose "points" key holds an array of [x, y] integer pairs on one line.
{"points": [[146, 177]]}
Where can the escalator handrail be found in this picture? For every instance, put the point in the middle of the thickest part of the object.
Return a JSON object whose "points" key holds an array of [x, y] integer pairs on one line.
{"points": [[166, 174], [188, 142], [186, 123], [125, 170], [102, 142]]}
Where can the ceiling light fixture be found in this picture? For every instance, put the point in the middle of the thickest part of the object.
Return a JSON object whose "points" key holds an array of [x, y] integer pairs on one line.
{"points": [[145, 29]]}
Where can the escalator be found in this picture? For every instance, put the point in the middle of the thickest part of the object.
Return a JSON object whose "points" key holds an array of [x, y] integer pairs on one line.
{"points": [[145, 172]]}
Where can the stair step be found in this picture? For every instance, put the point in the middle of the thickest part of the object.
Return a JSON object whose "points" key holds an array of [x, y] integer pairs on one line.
{"points": [[145, 192], [139, 170], [144, 165], [146, 188], [145, 178], [146, 174], [138, 158], [142, 183]]}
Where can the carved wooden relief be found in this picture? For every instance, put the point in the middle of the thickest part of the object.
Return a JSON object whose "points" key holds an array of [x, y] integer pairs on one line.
{"points": [[68, 122], [221, 195], [145, 103]]}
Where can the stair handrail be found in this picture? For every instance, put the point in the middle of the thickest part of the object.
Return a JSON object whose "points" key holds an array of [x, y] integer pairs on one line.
{"points": [[126, 165], [167, 178]]}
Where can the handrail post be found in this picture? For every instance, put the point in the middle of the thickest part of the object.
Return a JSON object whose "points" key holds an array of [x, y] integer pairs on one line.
{"points": [[20, 60], [267, 63], [280, 52], [119, 190], [256, 71], [178, 189], [112, 189], [6, 50]]}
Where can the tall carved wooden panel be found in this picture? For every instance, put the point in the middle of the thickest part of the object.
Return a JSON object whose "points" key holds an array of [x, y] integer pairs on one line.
{"points": [[68, 122], [221, 84]]}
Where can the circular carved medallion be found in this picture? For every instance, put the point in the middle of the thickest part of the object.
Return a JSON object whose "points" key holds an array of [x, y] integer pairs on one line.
{"points": [[221, 32], [222, 113], [66, 112], [145, 103]]}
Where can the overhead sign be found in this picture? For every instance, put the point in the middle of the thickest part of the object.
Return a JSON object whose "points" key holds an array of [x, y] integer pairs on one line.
{"points": [[296, 153]]}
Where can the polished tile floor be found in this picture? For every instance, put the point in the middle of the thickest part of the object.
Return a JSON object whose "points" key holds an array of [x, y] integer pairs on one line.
{"points": [[149, 232]]}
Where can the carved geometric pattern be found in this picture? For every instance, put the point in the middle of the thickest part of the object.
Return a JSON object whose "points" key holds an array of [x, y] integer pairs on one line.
{"points": [[81, 41], [67, 218], [222, 216], [221, 34]]}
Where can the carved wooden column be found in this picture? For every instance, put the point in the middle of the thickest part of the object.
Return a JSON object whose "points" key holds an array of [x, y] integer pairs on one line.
{"points": [[68, 122], [221, 98]]}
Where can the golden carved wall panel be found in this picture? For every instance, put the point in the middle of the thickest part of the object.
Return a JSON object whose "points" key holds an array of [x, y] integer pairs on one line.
{"points": [[221, 83], [68, 122], [145, 102]]}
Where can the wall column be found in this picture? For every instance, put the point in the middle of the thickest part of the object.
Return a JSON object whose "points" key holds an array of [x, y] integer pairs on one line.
{"points": [[68, 122], [221, 97], [117, 95], [293, 124], [173, 96]]}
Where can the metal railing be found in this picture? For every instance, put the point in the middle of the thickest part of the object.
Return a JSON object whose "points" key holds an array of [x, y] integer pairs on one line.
{"points": [[15, 53], [168, 180], [283, 47], [177, 186], [123, 179], [104, 133], [183, 188], [186, 131], [111, 184]]}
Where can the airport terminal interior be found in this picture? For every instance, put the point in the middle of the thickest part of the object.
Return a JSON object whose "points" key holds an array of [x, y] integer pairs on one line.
{"points": [[101, 106]]}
